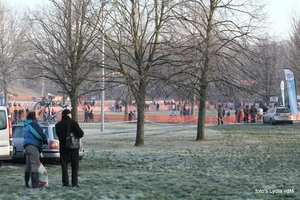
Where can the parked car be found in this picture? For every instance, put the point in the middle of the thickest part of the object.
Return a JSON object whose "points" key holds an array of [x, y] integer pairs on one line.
{"points": [[277, 115], [6, 141], [50, 151]]}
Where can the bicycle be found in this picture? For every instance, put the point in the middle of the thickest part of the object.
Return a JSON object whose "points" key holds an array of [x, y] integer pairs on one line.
{"points": [[105, 119], [173, 120], [48, 114]]}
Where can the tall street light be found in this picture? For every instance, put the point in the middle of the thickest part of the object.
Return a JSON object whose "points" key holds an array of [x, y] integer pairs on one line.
{"points": [[102, 74]]}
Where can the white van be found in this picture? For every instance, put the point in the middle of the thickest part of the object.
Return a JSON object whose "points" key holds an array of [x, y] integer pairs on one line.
{"points": [[6, 140]]}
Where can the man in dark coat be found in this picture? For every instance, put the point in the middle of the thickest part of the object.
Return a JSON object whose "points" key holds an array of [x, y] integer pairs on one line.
{"points": [[65, 154]]}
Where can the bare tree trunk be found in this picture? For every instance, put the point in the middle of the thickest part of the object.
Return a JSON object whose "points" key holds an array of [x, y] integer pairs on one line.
{"points": [[201, 114], [126, 107], [140, 99], [140, 138], [193, 101], [74, 105]]}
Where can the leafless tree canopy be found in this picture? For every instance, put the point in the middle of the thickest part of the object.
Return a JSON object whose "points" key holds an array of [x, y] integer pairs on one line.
{"points": [[12, 33], [191, 50], [215, 37], [65, 47]]}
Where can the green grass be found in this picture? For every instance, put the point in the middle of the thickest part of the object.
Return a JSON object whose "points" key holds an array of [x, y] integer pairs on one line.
{"points": [[235, 162]]}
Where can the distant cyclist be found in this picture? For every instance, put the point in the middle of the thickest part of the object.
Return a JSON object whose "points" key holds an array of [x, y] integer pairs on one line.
{"points": [[172, 114]]}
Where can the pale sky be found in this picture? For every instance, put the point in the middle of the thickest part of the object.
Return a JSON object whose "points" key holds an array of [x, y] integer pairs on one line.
{"points": [[29, 3], [280, 12]]}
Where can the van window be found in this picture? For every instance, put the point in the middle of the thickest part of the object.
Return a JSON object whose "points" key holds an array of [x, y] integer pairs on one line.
{"points": [[3, 118]]}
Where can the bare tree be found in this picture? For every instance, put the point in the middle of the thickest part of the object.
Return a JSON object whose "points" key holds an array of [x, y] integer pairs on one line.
{"points": [[292, 48], [12, 37], [65, 47], [266, 68], [219, 32], [133, 35]]}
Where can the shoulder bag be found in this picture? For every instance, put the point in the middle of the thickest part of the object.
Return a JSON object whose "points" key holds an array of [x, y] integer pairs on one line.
{"points": [[72, 142]]}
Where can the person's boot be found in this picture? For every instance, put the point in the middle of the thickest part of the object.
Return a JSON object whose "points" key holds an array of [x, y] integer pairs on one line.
{"points": [[27, 177], [34, 180]]}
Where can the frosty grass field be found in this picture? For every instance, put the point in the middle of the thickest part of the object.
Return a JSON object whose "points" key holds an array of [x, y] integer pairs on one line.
{"points": [[245, 161]]}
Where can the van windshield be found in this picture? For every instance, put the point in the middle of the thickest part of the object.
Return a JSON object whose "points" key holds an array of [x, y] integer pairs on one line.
{"points": [[3, 120]]}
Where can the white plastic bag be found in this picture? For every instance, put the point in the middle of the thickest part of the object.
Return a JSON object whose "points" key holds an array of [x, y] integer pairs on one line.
{"points": [[42, 176]]}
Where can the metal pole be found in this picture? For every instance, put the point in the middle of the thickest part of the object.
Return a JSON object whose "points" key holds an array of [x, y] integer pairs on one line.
{"points": [[102, 74]]}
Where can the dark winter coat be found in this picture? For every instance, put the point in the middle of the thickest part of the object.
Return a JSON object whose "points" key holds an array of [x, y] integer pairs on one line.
{"points": [[221, 112], [62, 129], [253, 111]]}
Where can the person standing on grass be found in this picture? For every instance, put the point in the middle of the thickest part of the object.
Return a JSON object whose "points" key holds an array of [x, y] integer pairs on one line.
{"points": [[130, 116], [239, 112], [34, 138], [68, 155], [220, 115], [16, 109], [260, 114], [253, 112], [86, 111], [246, 113]]}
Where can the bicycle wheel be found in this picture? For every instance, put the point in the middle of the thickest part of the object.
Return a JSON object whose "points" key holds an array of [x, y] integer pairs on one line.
{"points": [[43, 110], [39, 105], [175, 121]]}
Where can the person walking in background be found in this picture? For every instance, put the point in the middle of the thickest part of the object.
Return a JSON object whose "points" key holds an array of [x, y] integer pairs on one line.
{"points": [[188, 112], [11, 110], [68, 155], [34, 138], [239, 111], [253, 112], [86, 110], [260, 114], [16, 109], [221, 113], [246, 114], [130, 116], [20, 112], [91, 116]]}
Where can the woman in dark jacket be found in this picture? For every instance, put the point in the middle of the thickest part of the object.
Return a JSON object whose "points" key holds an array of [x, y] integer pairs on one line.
{"points": [[65, 154], [34, 138]]}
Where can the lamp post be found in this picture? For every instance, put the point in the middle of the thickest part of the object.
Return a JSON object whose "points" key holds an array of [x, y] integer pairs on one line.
{"points": [[102, 74], [102, 88]]}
